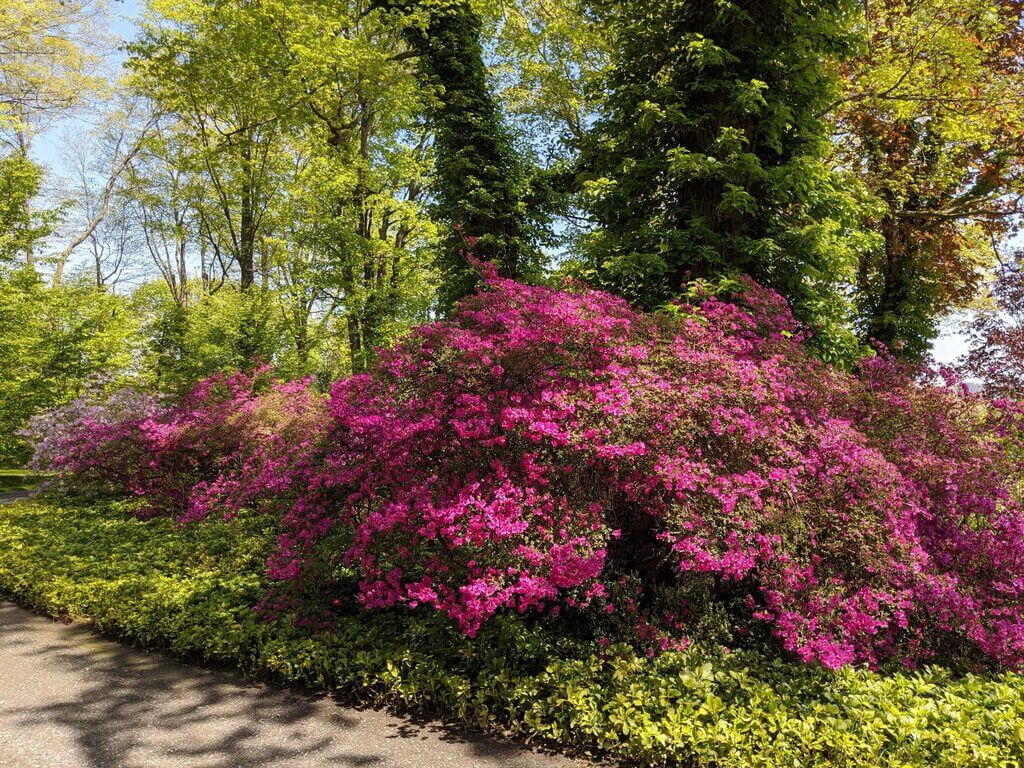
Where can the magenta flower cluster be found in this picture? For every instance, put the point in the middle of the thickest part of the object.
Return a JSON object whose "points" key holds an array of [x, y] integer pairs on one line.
{"points": [[234, 440], [527, 453]]}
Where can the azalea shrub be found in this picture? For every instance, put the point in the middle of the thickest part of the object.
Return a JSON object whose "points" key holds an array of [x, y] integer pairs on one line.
{"points": [[93, 442], [543, 444], [554, 451], [231, 441]]}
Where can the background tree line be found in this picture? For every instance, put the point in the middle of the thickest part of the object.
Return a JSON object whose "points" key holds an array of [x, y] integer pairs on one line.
{"points": [[301, 181]]}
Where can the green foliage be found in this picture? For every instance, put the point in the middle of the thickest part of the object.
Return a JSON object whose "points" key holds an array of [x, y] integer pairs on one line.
{"points": [[548, 59], [708, 155], [49, 52], [191, 591], [51, 341], [482, 183], [931, 121], [306, 178], [341, 157], [205, 63], [20, 228], [224, 331]]}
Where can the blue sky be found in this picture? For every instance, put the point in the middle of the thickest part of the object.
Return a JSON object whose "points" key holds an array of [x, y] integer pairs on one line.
{"points": [[45, 147], [126, 11]]}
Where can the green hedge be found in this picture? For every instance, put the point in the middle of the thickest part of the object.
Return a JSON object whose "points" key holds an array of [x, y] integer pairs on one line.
{"points": [[191, 591]]}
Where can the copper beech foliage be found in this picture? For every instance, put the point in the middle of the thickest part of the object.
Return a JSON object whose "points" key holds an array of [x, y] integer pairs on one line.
{"points": [[996, 356], [931, 120]]}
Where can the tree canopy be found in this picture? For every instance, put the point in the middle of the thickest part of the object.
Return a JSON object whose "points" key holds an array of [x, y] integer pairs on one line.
{"points": [[707, 158], [302, 182]]}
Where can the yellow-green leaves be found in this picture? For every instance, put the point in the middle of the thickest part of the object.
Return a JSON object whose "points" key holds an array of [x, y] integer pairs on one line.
{"points": [[49, 53], [192, 589]]}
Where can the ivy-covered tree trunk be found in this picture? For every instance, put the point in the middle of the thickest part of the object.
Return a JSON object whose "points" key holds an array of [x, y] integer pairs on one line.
{"points": [[709, 157], [891, 301], [480, 182]]}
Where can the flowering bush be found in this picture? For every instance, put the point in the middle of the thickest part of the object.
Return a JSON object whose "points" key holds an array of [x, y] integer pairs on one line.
{"points": [[543, 448], [92, 441], [226, 444], [265, 436], [543, 443]]}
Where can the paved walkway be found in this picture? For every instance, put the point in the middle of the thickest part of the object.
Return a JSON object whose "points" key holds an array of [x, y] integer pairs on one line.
{"points": [[71, 698], [8, 496]]}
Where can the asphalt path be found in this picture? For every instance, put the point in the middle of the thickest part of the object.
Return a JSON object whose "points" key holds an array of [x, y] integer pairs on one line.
{"points": [[71, 698]]}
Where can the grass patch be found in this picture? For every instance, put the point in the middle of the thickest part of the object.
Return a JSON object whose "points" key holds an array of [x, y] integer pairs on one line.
{"points": [[18, 480], [190, 591]]}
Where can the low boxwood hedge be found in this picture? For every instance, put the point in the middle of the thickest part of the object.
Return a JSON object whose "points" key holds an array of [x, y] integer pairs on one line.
{"points": [[191, 591]]}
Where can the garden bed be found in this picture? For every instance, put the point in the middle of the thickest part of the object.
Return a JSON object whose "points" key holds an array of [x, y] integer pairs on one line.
{"points": [[191, 591]]}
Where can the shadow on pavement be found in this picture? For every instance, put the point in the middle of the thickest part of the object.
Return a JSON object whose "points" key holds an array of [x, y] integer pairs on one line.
{"points": [[95, 703]]}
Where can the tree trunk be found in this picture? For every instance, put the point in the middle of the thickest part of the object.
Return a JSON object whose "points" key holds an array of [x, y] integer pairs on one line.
{"points": [[479, 176], [246, 239], [895, 282]]}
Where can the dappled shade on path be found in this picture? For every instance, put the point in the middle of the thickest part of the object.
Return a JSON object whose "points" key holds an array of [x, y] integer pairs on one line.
{"points": [[71, 698]]}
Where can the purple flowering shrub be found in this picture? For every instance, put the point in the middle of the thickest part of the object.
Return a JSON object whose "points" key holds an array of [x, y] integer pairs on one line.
{"points": [[547, 450], [89, 440], [266, 434], [231, 441], [544, 442]]}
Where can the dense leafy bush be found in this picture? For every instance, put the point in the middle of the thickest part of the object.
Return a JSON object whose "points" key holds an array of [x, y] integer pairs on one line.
{"points": [[191, 590], [225, 442], [52, 341], [550, 450]]}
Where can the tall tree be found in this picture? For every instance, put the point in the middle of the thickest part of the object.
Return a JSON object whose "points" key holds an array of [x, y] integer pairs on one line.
{"points": [[109, 236], [49, 59], [357, 230], [50, 56], [20, 227], [306, 128], [161, 191], [210, 65], [549, 58], [483, 187], [101, 164], [708, 157], [932, 119]]}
